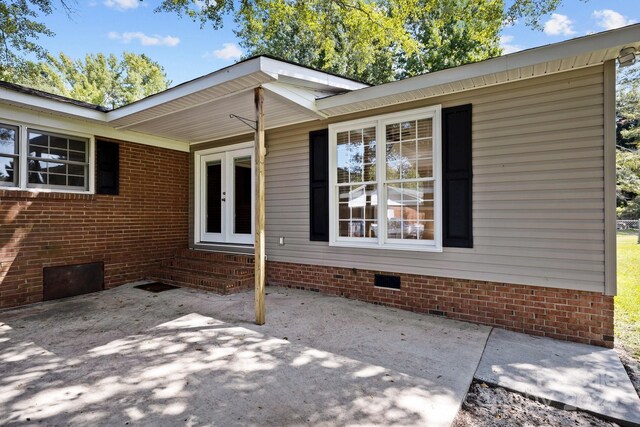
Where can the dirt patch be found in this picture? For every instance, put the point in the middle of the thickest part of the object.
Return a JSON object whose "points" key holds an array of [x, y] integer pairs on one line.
{"points": [[487, 406]]}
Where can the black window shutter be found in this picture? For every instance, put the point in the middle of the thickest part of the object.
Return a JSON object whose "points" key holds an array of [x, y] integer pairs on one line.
{"points": [[457, 177], [107, 167], [319, 185]]}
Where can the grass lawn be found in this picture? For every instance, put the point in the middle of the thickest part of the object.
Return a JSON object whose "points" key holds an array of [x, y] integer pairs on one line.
{"points": [[627, 314]]}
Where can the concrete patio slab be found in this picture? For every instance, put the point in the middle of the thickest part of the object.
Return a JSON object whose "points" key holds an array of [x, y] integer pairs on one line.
{"points": [[574, 375], [184, 357]]}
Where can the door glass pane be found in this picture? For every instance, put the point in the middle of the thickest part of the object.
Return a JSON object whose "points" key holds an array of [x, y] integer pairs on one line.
{"points": [[214, 197], [242, 195]]}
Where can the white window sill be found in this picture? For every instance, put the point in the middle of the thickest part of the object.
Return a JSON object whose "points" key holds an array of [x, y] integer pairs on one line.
{"points": [[387, 246], [45, 190]]}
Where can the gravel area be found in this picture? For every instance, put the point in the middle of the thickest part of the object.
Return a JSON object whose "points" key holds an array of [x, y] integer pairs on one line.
{"points": [[487, 406]]}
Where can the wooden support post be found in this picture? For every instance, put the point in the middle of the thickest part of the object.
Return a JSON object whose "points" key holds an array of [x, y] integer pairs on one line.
{"points": [[259, 249]]}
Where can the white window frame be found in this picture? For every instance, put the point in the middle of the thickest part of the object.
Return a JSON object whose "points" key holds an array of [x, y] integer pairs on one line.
{"points": [[23, 150], [381, 241]]}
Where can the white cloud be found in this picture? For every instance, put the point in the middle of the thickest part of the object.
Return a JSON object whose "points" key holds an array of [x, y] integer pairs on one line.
{"points": [[122, 4], [144, 39], [507, 45], [559, 25], [609, 19], [228, 51]]}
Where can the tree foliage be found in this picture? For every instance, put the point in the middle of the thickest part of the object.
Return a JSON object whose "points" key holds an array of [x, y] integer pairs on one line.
{"points": [[19, 30], [372, 40], [628, 139], [97, 79], [452, 33], [351, 38], [628, 107]]}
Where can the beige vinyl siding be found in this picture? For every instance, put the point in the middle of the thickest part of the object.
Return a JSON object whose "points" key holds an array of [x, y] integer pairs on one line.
{"points": [[538, 194]]}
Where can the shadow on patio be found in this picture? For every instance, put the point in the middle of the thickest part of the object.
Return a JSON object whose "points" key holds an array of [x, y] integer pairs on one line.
{"points": [[187, 357]]}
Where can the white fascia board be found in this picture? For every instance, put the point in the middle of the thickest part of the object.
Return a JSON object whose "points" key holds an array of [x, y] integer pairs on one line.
{"points": [[30, 117], [202, 83], [38, 103], [280, 68], [299, 96], [620, 37]]}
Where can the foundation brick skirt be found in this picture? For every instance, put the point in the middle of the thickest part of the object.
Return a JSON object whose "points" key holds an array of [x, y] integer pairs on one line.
{"points": [[579, 316]]}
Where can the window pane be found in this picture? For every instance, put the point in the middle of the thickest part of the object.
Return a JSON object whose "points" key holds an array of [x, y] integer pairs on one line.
{"points": [[394, 161], [59, 168], [8, 139], [7, 171], [50, 157], [75, 156], [356, 155], [77, 145], [343, 156], [410, 206], [393, 132], [357, 210], [37, 178], [38, 139], [55, 179], [242, 195], [56, 154], [408, 130], [425, 128], [76, 169], [58, 142], [76, 181], [412, 157], [214, 197]]}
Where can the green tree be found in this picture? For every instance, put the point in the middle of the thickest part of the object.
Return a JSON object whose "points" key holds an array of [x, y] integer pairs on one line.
{"points": [[19, 31], [452, 33], [98, 79], [359, 41], [628, 184], [628, 107], [375, 40], [628, 139]]}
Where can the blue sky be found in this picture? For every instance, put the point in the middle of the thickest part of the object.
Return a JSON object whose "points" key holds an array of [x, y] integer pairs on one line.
{"points": [[186, 51]]}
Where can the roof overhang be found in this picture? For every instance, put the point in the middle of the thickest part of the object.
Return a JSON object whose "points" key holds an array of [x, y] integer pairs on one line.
{"points": [[49, 105], [200, 110], [582, 52]]}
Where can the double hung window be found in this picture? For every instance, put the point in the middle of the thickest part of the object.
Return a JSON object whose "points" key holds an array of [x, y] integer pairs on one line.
{"points": [[385, 181], [38, 159]]}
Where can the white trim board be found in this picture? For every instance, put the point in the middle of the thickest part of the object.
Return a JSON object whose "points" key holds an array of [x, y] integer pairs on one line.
{"points": [[66, 124], [610, 279]]}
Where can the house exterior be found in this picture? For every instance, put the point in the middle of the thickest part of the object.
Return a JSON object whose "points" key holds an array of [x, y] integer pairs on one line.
{"points": [[484, 193]]}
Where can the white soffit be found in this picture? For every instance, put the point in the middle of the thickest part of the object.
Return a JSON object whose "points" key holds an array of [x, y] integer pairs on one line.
{"points": [[212, 121], [199, 110], [573, 54]]}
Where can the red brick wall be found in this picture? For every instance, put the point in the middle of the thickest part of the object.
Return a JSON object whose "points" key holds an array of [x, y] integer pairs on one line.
{"points": [[130, 232], [579, 316]]}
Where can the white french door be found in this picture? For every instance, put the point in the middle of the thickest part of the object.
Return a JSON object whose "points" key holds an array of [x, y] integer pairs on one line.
{"points": [[226, 196]]}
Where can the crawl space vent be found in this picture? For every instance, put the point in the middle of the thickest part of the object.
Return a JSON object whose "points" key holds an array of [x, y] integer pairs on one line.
{"points": [[387, 281]]}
